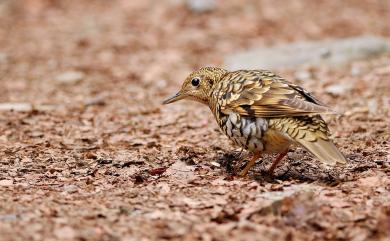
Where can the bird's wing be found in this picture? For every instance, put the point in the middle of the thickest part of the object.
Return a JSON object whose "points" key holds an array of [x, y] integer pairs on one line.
{"points": [[264, 94]]}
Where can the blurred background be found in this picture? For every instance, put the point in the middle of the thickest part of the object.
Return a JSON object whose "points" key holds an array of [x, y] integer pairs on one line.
{"points": [[145, 48]]}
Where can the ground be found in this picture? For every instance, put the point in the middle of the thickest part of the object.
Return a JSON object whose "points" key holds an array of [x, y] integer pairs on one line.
{"points": [[87, 151]]}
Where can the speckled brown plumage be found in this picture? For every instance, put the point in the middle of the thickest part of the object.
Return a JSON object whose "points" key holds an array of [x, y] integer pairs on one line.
{"points": [[262, 112]]}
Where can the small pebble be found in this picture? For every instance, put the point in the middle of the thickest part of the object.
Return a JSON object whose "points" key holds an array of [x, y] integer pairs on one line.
{"points": [[70, 77], [6, 183], [3, 58], [338, 89], [201, 6], [302, 75], [216, 164], [70, 188]]}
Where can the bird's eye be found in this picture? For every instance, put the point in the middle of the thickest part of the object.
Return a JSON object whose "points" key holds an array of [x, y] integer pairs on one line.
{"points": [[195, 81]]}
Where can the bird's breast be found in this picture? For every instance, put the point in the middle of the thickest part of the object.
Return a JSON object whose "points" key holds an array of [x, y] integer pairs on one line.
{"points": [[244, 131]]}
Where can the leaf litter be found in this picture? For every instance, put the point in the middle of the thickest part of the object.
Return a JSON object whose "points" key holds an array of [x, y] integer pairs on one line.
{"points": [[87, 152]]}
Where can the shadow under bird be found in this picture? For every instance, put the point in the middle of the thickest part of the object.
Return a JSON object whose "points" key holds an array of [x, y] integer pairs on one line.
{"points": [[262, 112]]}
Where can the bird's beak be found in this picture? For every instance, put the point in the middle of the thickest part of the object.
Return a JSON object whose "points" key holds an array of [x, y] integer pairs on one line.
{"points": [[176, 97]]}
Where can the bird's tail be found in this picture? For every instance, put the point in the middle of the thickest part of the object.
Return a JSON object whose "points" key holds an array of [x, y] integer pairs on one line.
{"points": [[312, 133], [324, 150]]}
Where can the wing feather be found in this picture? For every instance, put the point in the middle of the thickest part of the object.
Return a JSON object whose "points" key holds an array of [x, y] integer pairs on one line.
{"points": [[263, 94]]}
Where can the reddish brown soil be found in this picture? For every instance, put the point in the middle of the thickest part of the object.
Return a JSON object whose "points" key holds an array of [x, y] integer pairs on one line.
{"points": [[102, 159]]}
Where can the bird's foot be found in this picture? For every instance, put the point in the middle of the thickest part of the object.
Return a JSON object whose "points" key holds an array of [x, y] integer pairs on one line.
{"points": [[249, 165], [276, 162]]}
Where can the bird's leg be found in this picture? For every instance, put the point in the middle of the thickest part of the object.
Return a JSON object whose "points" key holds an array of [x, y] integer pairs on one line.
{"points": [[276, 161], [250, 164]]}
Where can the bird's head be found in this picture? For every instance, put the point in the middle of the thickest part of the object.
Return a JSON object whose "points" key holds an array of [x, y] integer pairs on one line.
{"points": [[198, 85]]}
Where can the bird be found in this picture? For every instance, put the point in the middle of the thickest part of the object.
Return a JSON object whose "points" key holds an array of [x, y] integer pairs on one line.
{"points": [[263, 113]]}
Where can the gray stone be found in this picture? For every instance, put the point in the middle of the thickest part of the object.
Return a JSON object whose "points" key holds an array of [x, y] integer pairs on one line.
{"points": [[372, 105], [6, 183], [19, 107], [200, 6], [338, 89], [3, 58], [71, 188], [356, 71], [24, 107], [70, 77], [181, 172], [302, 75], [8, 217], [329, 52], [288, 192]]}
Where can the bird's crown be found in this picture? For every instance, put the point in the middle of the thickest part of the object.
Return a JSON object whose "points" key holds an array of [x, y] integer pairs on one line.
{"points": [[198, 85]]}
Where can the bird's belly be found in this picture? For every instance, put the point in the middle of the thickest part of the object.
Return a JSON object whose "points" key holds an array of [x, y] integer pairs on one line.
{"points": [[245, 132], [254, 134], [275, 141]]}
